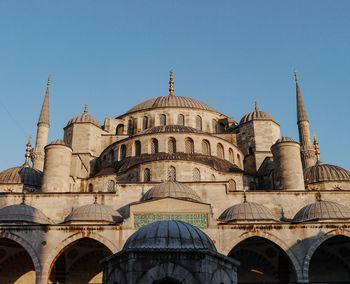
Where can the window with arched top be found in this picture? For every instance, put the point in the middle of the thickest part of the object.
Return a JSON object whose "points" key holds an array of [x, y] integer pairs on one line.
{"points": [[196, 174], [147, 175], [220, 151], [199, 122], [231, 185], [171, 146], [206, 148], [162, 119], [120, 129], [122, 152], [137, 148], [239, 160], [130, 127], [171, 173], [154, 146], [111, 186], [231, 156], [181, 119], [214, 126], [145, 123], [189, 146]]}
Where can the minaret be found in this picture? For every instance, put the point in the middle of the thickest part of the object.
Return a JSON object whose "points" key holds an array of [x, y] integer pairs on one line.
{"points": [[306, 147], [42, 133], [171, 84]]}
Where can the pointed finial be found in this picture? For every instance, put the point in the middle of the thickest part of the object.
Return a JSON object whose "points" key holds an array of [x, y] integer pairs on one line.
{"points": [[171, 84], [95, 199], [244, 196], [317, 150], [86, 109], [23, 198], [256, 107], [318, 196], [28, 152], [295, 77], [48, 81]]}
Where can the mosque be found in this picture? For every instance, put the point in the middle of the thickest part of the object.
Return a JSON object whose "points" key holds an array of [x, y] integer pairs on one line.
{"points": [[173, 191]]}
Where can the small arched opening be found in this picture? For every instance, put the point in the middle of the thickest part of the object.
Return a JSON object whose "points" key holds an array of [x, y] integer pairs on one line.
{"points": [[137, 148], [154, 146], [189, 146], [181, 119], [120, 129], [171, 146]]}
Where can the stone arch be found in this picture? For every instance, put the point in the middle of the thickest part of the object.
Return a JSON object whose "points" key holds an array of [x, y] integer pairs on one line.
{"points": [[282, 245], [28, 248], [315, 245], [168, 270], [55, 253]]}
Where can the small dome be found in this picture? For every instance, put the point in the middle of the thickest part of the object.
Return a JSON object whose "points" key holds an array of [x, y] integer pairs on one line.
{"points": [[21, 175], [170, 101], [94, 213], [171, 189], [58, 142], [170, 128], [247, 211], [85, 117], [324, 173], [23, 213], [285, 139], [170, 235], [322, 210], [256, 115]]}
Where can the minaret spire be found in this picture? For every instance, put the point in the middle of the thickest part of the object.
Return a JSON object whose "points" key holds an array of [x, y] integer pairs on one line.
{"points": [[317, 150], [171, 84], [306, 147], [42, 133]]}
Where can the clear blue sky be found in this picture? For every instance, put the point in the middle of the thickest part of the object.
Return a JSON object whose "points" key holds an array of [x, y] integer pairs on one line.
{"points": [[228, 54]]}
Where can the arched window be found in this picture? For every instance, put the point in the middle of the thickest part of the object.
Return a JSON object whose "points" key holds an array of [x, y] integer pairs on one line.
{"points": [[154, 146], [239, 160], [162, 119], [122, 152], [130, 127], [220, 151], [137, 148], [120, 129], [189, 146], [147, 175], [171, 146], [214, 125], [181, 119], [145, 122], [90, 187], [231, 185], [231, 156], [206, 148], [198, 122], [111, 186], [196, 174], [171, 174]]}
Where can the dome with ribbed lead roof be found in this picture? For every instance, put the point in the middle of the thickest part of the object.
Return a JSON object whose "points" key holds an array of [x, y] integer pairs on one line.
{"points": [[23, 213], [85, 117], [322, 210], [169, 235], [325, 173], [21, 175], [171, 189], [257, 114]]}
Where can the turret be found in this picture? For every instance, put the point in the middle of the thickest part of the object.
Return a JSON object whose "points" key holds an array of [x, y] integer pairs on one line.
{"points": [[287, 164], [58, 157], [43, 125], [306, 147]]}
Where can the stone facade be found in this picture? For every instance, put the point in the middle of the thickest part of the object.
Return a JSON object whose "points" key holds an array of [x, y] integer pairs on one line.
{"points": [[172, 138]]}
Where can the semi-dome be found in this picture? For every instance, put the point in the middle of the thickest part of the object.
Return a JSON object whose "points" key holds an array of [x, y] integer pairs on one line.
{"points": [[170, 235], [23, 213], [171, 189], [325, 173], [21, 175], [256, 115], [170, 101], [94, 213], [246, 211], [170, 128], [85, 117], [322, 210]]}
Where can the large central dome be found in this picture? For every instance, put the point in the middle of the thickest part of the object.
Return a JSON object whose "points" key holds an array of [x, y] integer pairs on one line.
{"points": [[170, 101]]}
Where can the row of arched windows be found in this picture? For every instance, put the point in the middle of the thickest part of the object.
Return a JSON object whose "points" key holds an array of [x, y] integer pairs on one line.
{"points": [[163, 120], [171, 174], [189, 149]]}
